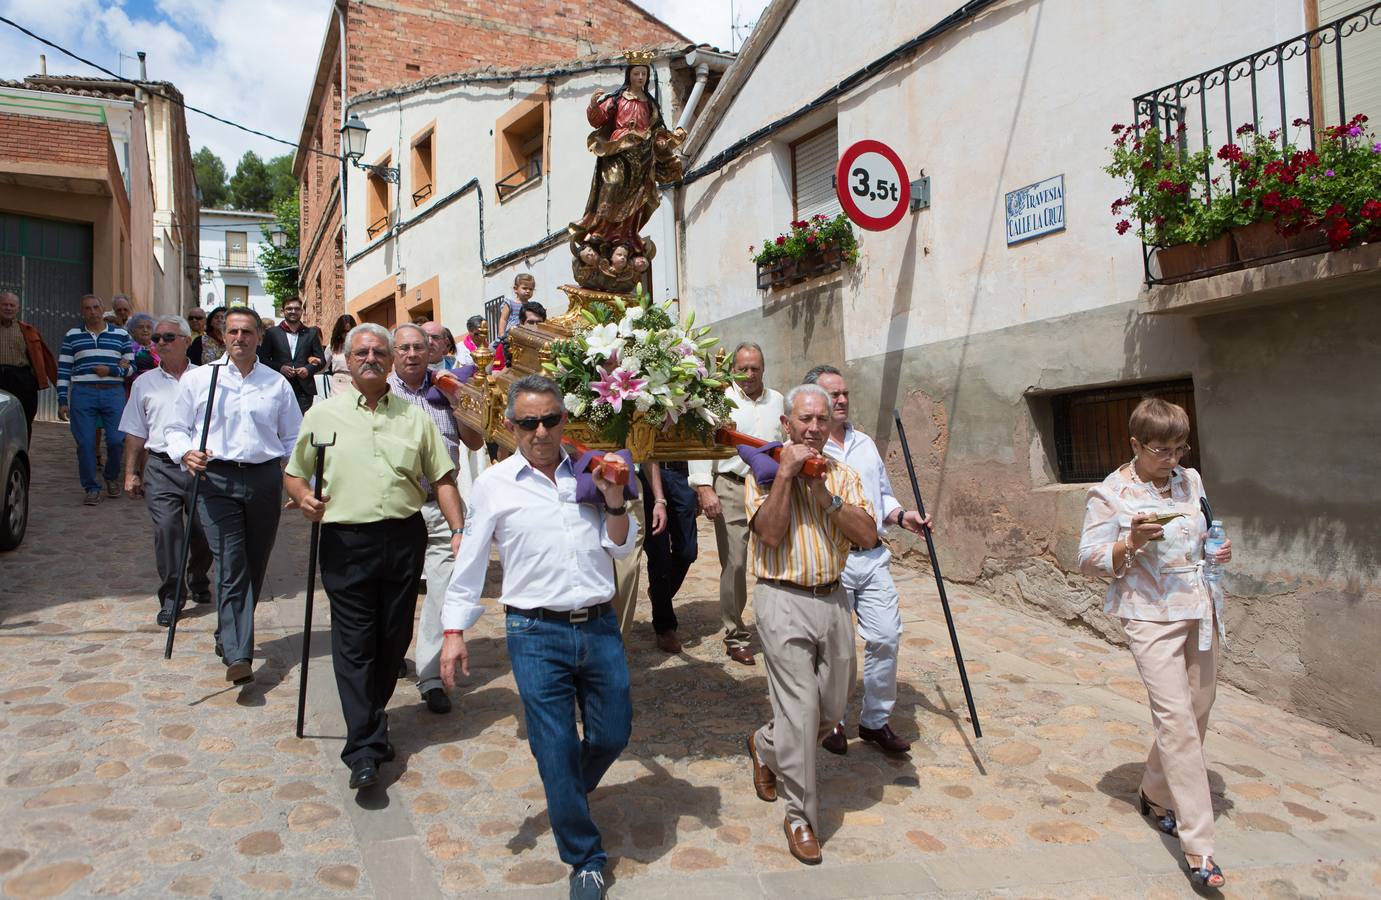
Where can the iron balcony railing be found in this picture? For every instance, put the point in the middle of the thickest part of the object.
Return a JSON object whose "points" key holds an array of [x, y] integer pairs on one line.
{"points": [[1296, 88], [529, 171]]}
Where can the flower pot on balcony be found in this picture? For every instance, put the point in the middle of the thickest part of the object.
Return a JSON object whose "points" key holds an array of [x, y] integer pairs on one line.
{"points": [[823, 262], [776, 272], [1260, 240], [1185, 260]]}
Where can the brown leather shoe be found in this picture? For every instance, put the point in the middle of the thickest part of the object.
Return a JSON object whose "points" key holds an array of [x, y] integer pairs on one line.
{"points": [[742, 655], [836, 741], [241, 671], [885, 738], [764, 779], [669, 642], [800, 840]]}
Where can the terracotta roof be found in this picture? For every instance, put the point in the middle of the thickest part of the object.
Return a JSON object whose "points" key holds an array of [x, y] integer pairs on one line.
{"points": [[83, 86]]}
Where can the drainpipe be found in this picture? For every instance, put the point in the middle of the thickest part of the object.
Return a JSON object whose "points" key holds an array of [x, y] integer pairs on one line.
{"points": [[702, 75]]}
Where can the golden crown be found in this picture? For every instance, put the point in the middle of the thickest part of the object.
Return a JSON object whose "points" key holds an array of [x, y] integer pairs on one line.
{"points": [[639, 57]]}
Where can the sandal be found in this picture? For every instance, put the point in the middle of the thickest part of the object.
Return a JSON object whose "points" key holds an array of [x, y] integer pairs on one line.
{"points": [[1207, 874], [1164, 819]]}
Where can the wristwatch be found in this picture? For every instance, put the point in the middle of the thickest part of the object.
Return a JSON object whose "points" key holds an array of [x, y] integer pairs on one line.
{"points": [[616, 510], [836, 503]]}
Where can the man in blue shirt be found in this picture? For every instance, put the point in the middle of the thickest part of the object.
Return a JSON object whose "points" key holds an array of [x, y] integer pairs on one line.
{"points": [[92, 365]]}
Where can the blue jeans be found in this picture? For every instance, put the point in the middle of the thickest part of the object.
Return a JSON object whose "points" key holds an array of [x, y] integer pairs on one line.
{"points": [[561, 667], [90, 408]]}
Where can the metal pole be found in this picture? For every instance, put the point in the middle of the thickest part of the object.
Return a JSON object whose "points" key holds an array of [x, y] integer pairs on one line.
{"points": [[939, 581], [180, 592], [311, 582]]}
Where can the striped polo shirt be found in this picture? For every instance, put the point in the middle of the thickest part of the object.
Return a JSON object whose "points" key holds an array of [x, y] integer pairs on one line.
{"points": [[815, 549], [83, 351]]}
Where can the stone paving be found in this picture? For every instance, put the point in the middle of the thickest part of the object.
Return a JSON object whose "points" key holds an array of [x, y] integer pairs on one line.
{"points": [[128, 775]]}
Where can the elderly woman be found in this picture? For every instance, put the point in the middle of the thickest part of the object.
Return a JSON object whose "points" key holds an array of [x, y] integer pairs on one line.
{"points": [[1143, 528], [210, 345], [140, 328]]}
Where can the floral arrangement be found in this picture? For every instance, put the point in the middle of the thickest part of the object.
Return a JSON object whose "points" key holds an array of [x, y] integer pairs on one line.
{"points": [[635, 359], [1181, 197], [808, 236]]}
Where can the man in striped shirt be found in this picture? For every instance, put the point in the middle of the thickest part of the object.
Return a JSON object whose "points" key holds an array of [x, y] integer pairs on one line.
{"points": [[800, 532], [92, 365]]}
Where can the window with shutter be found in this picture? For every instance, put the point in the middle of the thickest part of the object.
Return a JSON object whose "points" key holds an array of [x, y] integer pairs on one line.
{"points": [[813, 159], [1361, 66]]}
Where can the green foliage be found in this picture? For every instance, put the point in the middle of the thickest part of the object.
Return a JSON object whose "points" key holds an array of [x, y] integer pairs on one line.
{"points": [[210, 175], [809, 236], [280, 265], [281, 179], [251, 187]]}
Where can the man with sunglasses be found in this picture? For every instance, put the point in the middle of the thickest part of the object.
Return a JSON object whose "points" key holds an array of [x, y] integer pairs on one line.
{"points": [[196, 318], [563, 635], [152, 474]]}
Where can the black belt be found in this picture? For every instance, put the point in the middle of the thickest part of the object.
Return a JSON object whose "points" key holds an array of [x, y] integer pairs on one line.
{"points": [[676, 465], [232, 464], [574, 617], [27, 368], [732, 476], [159, 454], [818, 590]]}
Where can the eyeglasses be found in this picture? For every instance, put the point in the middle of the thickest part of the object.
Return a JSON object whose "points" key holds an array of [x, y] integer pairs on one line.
{"points": [[411, 348], [169, 336], [531, 423], [1167, 452]]}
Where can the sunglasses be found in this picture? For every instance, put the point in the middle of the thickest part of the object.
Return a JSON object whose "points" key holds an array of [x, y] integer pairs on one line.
{"points": [[547, 422], [195, 318], [167, 336]]}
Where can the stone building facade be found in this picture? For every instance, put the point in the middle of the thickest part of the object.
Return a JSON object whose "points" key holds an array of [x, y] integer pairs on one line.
{"points": [[993, 350]]}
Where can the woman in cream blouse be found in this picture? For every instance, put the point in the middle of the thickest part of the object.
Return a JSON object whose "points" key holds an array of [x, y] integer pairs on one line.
{"points": [[1171, 614]]}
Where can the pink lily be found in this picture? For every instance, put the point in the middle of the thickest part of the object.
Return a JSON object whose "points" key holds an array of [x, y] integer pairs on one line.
{"points": [[616, 386]]}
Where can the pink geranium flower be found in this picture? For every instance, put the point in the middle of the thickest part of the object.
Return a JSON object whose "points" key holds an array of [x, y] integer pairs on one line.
{"points": [[616, 386]]}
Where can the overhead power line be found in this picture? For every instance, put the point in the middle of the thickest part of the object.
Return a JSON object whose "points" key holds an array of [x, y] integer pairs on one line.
{"points": [[146, 86]]}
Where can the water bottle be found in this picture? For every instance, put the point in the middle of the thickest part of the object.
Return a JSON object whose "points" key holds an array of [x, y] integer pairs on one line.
{"points": [[1217, 537]]}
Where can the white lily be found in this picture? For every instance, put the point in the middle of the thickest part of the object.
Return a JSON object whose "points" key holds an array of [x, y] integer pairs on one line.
{"points": [[602, 342]]}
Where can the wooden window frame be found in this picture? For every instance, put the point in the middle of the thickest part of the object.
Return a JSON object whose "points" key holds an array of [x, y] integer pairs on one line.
{"points": [[376, 224], [508, 162], [422, 178], [1090, 426]]}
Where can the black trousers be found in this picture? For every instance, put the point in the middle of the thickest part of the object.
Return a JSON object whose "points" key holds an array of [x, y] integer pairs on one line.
{"points": [[167, 494], [239, 509], [20, 381], [669, 554], [371, 573]]}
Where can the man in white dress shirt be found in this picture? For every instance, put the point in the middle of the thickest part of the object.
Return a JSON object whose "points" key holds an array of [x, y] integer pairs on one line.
{"points": [[719, 485], [254, 423], [867, 577], [563, 636], [151, 473]]}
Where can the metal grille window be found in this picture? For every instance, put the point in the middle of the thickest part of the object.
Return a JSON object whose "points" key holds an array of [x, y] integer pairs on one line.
{"points": [[1361, 60], [1091, 436], [813, 160]]}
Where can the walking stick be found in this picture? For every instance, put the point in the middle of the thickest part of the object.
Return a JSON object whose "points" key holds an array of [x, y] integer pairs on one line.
{"points": [[180, 592], [311, 581], [939, 581]]}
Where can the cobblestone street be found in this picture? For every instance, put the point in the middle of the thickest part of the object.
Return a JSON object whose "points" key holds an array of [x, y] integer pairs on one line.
{"points": [[129, 775]]}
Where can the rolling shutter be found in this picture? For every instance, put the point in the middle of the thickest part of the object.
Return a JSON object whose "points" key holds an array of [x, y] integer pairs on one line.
{"points": [[813, 160], [1361, 66]]}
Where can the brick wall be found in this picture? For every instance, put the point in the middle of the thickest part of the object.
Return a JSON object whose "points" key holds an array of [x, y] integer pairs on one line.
{"points": [[55, 141], [412, 39]]}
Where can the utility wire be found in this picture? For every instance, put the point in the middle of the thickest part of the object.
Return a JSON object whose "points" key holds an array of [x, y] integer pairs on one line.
{"points": [[146, 86]]}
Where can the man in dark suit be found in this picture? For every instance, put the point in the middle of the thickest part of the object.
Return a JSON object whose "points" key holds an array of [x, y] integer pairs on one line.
{"points": [[294, 351]]}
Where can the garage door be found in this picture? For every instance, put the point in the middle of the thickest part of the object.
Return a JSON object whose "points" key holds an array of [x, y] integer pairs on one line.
{"points": [[48, 264]]}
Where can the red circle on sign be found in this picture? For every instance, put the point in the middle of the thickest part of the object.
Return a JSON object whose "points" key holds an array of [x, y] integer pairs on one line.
{"points": [[845, 195]]}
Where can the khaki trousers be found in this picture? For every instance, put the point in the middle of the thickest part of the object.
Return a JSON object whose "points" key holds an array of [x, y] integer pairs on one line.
{"points": [[628, 573], [731, 536], [1181, 682], [808, 644]]}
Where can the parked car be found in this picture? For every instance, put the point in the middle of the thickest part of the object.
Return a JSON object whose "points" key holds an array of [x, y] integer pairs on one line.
{"points": [[14, 464]]}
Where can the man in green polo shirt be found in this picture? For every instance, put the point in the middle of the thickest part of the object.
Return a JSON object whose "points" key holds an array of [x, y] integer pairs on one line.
{"points": [[386, 453]]}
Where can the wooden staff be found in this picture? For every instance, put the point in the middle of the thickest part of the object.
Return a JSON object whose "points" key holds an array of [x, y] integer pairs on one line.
{"points": [[939, 581], [311, 581], [813, 468], [181, 590]]}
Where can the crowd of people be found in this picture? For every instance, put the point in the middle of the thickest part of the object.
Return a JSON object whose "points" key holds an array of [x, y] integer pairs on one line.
{"points": [[354, 430]]}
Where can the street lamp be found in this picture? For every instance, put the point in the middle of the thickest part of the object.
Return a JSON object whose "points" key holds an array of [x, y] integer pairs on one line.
{"points": [[207, 274], [279, 237], [354, 133]]}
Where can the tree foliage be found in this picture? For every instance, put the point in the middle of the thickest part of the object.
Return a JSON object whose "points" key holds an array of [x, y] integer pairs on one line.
{"points": [[251, 187], [210, 174], [280, 264]]}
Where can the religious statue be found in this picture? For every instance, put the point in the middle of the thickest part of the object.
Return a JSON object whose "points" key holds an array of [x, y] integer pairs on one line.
{"points": [[634, 151]]}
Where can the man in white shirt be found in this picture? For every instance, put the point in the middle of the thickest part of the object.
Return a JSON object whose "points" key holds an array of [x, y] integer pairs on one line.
{"points": [[867, 577], [151, 473], [254, 424], [563, 636], [438, 346], [719, 485]]}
